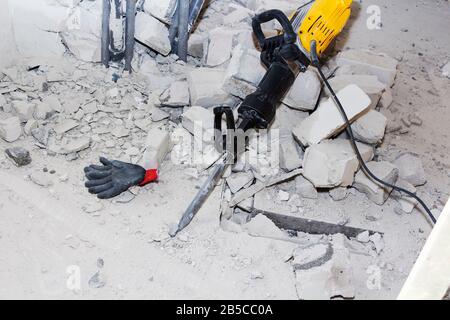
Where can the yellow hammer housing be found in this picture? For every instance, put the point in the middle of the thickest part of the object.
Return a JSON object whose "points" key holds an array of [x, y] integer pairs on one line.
{"points": [[321, 20]]}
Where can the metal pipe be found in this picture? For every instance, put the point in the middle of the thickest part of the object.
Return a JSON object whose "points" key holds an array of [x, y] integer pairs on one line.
{"points": [[183, 30], [105, 41], [129, 33], [173, 30], [194, 12]]}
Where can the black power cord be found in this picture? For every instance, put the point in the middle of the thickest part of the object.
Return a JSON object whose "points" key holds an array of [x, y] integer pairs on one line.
{"points": [[315, 62]]}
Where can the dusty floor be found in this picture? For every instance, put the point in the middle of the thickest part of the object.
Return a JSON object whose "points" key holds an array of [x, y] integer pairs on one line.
{"points": [[46, 236]]}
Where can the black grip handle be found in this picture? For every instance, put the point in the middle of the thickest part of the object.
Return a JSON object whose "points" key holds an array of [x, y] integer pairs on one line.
{"points": [[274, 14]]}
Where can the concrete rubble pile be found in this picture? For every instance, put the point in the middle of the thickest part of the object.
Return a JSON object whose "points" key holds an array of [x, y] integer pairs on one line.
{"points": [[72, 108]]}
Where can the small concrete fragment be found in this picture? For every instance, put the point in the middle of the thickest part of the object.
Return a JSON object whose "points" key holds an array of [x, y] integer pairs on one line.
{"points": [[244, 72], [406, 204], [305, 188], [305, 91], [23, 109], [205, 87], [10, 129], [382, 66], [370, 127], [327, 121], [197, 45], [72, 146], [372, 189], [199, 120], [220, 46], [65, 126], [178, 94], [333, 163], [239, 180], [339, 193], [291, 155], [157, 146], [446, 70], [411, 168], [153, 33], [19, 156]]}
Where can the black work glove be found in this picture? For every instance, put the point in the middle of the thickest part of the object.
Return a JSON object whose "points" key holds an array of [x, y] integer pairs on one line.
{"points": [[113, 177]]}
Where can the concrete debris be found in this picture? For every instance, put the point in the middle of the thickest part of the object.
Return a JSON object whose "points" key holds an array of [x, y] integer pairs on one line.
{"points": [[382, 66], [178, 94], [162, 10], [305, 91], [311, 256], [238, 14], [370, 127], [19, 156], [446, 70], [378, 242], [373, 190], [120, 132], [98, 280], [41, 134], [200, 119], [291, 155], [283, 195], [339, 193], [261, 226], [205, 87], [41, 179], [65, 126], [406, 204], [220, 46], [157, 145], [363, 237], [327, 121], [330, 280], [53, 102], [369, 84], [124, 197], [153, 33], [29, 126], [23, 109], [386, 99], [244, 72], [10, 129], [197, 46], [73, 146], [305, 188], [239, 180], [333, 163], [411, 168]]}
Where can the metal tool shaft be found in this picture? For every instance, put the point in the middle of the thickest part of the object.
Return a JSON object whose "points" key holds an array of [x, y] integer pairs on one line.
{"points": [[202, 195]]}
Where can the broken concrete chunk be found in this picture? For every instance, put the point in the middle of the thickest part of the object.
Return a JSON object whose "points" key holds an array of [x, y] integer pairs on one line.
{"points": [[386, 99], [261, 226], [372, 189], [311, 256], [333, 163], [339, 193], [239, 180], [157, 146], [41, 134], [406, 204], [153, 33], [20, 156], [411, 168], [162, 10], [72, 146], [244, 72], [23, 109], [10, 129], [370, 127], [363, 237], [65, 126], [327, 121], [305, 188], [446, 70], [369, 84], [201, 119], [43, 111], [382, 66], [197, 45], [291, 155], [30, 125], [53, 103], [220, 46], [378, 242], [305, 91], [205, 87], [178, 94]]}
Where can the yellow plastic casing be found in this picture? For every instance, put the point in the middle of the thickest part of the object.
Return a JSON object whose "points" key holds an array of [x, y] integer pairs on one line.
{"points": [[323, 22]]}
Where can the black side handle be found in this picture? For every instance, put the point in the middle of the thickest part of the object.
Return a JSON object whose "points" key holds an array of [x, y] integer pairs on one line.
{"points": [[289, 35]]}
